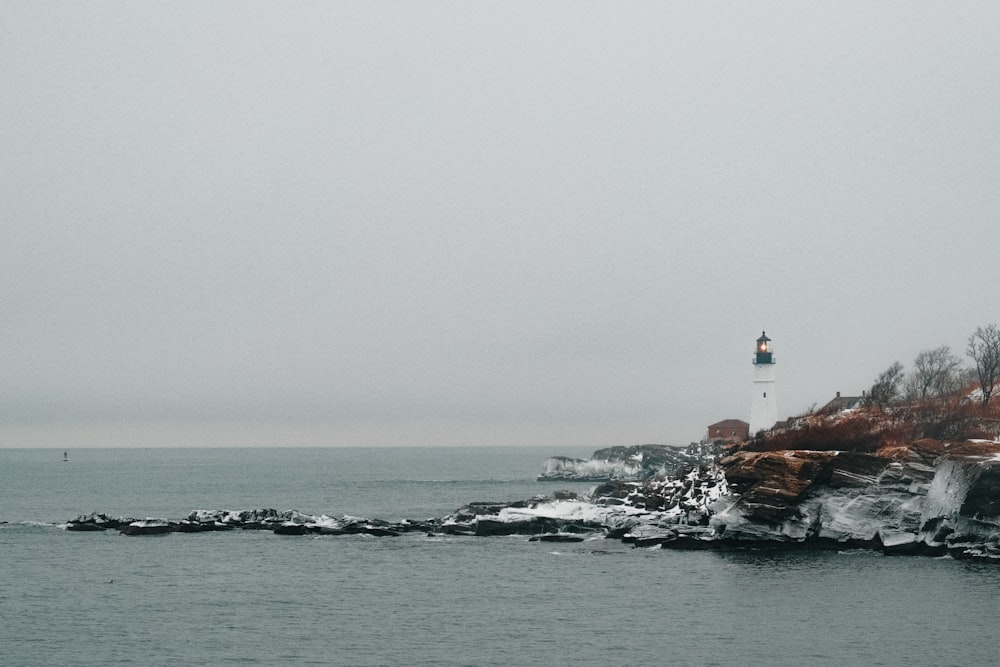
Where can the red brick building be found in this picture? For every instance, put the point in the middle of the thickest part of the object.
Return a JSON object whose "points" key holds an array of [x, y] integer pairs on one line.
{"points": [[729, 429]]}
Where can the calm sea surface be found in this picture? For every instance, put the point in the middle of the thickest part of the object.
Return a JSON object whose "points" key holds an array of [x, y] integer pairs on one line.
{"points": [[250, 597]]}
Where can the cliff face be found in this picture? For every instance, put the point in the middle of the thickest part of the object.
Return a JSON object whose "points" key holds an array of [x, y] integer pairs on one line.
{"points": [[929, 497]]}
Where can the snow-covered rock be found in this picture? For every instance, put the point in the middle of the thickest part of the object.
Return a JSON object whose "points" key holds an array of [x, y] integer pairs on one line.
{"points": [[634, 463], [926, 498], [149, 526]]}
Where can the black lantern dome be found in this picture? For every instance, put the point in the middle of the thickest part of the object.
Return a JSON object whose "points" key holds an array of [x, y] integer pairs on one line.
{"points": [[763, 354]]}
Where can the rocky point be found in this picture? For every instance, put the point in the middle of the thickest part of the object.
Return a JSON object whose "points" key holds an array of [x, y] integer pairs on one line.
{"points": [[923, 496]]}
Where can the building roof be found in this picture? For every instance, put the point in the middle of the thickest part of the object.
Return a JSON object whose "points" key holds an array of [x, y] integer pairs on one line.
{"points": [[839, 403], [730, 423]]}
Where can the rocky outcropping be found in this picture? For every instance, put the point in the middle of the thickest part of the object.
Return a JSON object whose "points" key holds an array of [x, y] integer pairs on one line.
{"points": [[925, 498], [929, 497], [634, 463], [643, 513], [288, 522]]}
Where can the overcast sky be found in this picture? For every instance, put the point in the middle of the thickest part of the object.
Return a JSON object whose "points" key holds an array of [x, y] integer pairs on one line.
{"points": [[480, 223]]}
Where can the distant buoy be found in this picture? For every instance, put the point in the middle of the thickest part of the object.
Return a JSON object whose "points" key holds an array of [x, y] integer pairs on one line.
{"points": [[65, 456]]}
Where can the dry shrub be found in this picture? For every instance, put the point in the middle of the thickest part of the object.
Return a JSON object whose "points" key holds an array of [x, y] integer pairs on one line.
{"points": [[856, 432], [868, 430], [953, 420]]}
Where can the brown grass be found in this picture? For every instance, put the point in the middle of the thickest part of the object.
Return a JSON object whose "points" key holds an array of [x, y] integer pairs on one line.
{"points": [[871, 429]]}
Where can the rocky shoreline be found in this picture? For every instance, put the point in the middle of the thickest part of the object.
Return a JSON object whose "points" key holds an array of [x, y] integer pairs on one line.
{"points": [[927, 498], [288, 522]]}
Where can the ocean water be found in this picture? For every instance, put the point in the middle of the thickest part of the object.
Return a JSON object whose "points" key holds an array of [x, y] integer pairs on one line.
{"points": [[251, 597]]}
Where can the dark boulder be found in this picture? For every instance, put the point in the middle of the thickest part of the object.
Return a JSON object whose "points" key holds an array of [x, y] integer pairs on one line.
{"points": [[96, 521], [186, 526], [147, 527], [643, 542], [556, 537], [484, 527], [85, 527]]}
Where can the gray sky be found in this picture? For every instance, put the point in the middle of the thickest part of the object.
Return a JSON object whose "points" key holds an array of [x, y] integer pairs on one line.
{"points": [[480, 223]]}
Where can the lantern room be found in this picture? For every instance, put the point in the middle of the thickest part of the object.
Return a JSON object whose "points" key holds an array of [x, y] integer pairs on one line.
{"points": [[763, 350]]}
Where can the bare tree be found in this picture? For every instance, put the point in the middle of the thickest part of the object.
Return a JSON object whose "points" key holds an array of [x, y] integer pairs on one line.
{"points": [[934, 373], [966, 376], [886, 387], [911, 388], [984, 348]]}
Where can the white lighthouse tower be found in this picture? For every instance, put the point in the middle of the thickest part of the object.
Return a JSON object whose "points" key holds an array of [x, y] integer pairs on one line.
{"points": [[764, 410]]}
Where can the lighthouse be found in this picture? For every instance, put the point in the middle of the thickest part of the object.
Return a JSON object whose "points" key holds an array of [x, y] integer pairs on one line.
{"points": [[764, 409]]}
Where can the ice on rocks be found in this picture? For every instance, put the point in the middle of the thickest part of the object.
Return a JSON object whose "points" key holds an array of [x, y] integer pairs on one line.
{"points": [[950, 486]]}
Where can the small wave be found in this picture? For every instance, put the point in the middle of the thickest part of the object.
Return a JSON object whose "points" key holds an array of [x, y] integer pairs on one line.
{"points": [[30, 524]]}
